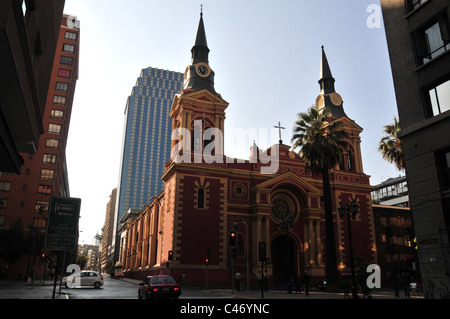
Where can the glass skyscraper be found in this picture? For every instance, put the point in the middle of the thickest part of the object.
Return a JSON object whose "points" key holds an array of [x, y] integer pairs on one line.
{"points": [[147, 138]]}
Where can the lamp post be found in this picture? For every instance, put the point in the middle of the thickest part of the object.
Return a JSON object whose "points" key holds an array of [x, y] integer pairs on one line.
{"points": [[285, 225], [353, 208]]}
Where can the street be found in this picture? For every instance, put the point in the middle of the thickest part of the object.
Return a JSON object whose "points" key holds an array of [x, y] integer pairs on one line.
{"points": [[126, 289]]}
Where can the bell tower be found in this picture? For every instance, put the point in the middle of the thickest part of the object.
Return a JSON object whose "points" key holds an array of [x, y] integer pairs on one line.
{"points": [[199, 111], [351, 159]]}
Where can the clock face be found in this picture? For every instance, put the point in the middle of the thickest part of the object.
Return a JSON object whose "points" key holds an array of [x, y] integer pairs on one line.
{"points": [[202, 69], [336, 99]]}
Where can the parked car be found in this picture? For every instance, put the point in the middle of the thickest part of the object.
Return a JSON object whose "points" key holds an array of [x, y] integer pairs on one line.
{"points": [[85, 278], [159, 286]]}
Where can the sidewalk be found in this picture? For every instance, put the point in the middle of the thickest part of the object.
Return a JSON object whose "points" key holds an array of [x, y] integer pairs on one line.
{"points": [[278, 294], [11, 289]]}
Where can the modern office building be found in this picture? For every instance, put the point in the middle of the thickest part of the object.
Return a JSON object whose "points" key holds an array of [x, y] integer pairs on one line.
{"points": [[28, 38], [391, 192], [147, 138], [418, 38], [26, 197]]}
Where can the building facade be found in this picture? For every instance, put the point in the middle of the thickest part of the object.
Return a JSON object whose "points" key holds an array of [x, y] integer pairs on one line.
{"points": [[207, 194], [26, 196], [392, 192], [106, 251], [28, 39], [418, 37], [146, 140]]}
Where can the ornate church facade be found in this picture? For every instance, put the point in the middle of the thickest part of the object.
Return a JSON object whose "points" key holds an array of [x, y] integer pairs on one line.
{"points": [[186, 228]]}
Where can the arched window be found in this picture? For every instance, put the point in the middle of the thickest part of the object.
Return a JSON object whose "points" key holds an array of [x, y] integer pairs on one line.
{"points": [[349, 160], [341, 160], [201, 198]]}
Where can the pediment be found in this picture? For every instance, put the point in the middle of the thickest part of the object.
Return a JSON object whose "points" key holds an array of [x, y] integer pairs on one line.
{"points": [[204, 95], [290, 178], [349, 123]]}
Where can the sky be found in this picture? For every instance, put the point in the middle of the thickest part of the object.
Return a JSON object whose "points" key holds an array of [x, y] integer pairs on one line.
{"points": [[266, 59]]}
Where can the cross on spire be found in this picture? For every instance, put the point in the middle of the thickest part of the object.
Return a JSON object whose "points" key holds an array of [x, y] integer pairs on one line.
{"points": [[279, 127], [201, 8]]}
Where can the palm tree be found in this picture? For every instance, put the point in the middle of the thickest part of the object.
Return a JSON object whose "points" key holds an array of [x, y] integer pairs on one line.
{"points": [[391, 146], [320, 143]]}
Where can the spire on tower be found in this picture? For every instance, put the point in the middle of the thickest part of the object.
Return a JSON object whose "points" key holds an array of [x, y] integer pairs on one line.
{"points": [[326, 80], [200, 49]]}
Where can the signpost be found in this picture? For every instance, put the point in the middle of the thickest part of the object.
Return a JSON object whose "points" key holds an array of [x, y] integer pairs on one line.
{"points": [[62, 227]]}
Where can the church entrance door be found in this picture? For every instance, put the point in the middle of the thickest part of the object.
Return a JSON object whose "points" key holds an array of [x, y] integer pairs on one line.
{"points": [[283, 259]]}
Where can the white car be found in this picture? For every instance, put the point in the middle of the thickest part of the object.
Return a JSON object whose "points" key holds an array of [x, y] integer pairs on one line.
{"points": [[85, 278]]}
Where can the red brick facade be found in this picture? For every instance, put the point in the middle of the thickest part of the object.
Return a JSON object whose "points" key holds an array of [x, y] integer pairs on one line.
{"points": [[44, 174]]}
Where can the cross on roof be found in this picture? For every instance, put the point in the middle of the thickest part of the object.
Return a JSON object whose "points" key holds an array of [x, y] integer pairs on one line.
{"points": [[279, 127]]}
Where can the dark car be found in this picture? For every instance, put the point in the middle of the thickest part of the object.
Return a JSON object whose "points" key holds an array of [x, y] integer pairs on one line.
{"points": [[159, 287]]}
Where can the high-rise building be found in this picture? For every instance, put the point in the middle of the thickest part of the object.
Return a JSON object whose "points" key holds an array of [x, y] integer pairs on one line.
{"points": [[147, 138], [418, 37], [107, 231], [28, 38], [26, 197]]}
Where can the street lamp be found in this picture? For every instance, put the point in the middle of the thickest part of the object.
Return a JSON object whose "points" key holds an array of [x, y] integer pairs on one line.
{"points": [[285, 225], [353, 208]]}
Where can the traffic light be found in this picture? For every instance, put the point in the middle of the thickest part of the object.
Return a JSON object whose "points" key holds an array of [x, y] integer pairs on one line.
{"points": [[44, 258], [170, 255], [232, 237], [206, 261]]}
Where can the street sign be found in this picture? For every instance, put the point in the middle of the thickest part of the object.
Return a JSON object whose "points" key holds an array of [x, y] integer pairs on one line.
{"points": [[62, 225]]}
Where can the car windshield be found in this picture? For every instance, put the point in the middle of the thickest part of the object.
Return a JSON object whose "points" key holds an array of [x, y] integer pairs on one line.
{"points": [[162, 280]]}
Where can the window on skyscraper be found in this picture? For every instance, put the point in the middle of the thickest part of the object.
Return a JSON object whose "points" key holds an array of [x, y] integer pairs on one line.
{"points": [[64, 73], [66, 60], [52, 143], [412, 5], [57, 114], [60, 86], [47, 174], [438, 99], [70, 35], [61, 100], [433, 39], [68, 48], [49, 158], [54, 128]]}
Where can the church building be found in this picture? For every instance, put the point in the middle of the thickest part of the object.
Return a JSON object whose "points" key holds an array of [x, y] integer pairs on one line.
{"points": [[186, 228]]}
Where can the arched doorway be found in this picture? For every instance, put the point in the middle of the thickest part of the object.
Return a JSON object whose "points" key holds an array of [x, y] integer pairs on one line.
{"points": [[283, 259]]}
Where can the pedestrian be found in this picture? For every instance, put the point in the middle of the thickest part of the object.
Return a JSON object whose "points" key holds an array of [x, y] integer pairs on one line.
{"points": [[259, 280], [298, 289], [306, 283], [406, 280], [238, 281], [395, 281]]}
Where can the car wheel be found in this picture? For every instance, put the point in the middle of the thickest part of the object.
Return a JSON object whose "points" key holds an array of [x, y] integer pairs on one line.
{"points": [[97, 285], [139, 296]]}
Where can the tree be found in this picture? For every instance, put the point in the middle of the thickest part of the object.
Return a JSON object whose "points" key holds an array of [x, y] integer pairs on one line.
{"points": [[321, 142], [13, 243], [391, 146]]}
